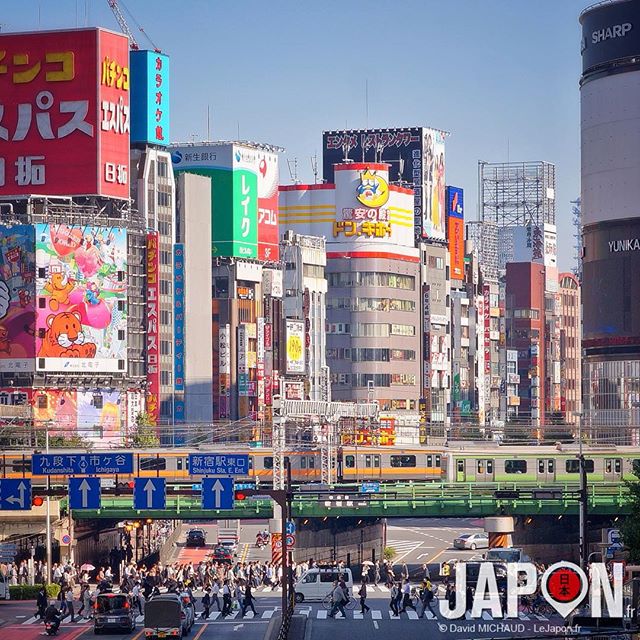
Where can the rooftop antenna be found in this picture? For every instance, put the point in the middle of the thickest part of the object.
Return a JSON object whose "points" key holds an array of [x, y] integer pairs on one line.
{"points": [[293, 170], [366, 103], [238, 131], [314, 167], [208, 123], [400, 168]]}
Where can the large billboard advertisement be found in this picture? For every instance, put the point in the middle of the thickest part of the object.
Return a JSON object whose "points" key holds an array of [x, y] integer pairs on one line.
{"points": [[17, 298], [268, 180], [64, 113], [81, 306], [455, 228], [416, 156], [153, 328], [294, 340], [150, 97], [243, 180]]}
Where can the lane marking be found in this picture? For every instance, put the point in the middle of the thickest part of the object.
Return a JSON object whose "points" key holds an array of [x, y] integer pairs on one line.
{"points": [[376, 615], [235, 628], [486, 615], [202, 628], [137, 636], [375, 624], [412, 615], [357, 615], [267, 614], [214, 615], [322, 614]]}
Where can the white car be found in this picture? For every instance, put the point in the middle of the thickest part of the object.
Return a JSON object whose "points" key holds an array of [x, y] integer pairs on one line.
{"points": [[472, 541]]}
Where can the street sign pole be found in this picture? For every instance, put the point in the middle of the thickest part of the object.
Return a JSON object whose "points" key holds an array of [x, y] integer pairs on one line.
{"points": [[48, 528]]}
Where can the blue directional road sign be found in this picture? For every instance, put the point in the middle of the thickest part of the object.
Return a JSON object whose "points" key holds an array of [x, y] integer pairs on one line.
{"points": [[67, 464], [217, 493], [149, 493], [84, 493], [15, 495], [291, 527], [370, 487], [218, 464]]}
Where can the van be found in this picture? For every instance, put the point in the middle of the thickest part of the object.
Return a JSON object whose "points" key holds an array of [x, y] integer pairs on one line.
{"points": [[317, 583], [506, 554], [113, 612], [165, 617]]}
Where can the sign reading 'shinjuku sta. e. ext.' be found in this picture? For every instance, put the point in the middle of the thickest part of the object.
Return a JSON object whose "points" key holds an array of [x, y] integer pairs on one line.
{"points": [[64, 113], [204, 464]]}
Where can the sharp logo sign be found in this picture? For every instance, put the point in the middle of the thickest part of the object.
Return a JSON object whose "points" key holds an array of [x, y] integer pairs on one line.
{"points": [[616, 31]]}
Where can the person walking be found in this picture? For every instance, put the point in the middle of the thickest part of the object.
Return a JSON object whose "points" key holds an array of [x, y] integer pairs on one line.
{"points": [[41, 601], [363, 598], [215, 591], [248, 600], [69, 598], [393, 604], [226, 598], [376, 573], [406, 597], [426, 597], [206, 603], [338, 599]]}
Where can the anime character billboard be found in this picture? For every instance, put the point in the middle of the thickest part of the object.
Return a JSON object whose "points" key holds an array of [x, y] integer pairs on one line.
{"points": [[81, 284]]}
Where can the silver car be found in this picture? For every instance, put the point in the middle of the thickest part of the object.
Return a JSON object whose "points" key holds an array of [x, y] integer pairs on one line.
{"points": [[472, 541]]}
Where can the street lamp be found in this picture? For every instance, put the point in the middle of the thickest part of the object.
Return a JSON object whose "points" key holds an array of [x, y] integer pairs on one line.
{"points": [[48, 574], [583, 495]]}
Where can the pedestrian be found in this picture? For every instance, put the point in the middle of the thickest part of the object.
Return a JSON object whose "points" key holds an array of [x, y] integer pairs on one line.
{"points": [[406, 596], [338, 599], [206, 603], [63, 601], [365, 572], [376, 573], [426, 597], [226, 598], [41, 601], [69, 596], [405, 571], [426, 574], [363, 598], [393, 604], [215, 591], [248, 600]]}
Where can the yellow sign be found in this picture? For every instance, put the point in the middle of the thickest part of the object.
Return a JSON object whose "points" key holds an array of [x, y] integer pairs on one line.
{"points": [[373, 191], [294, 348], [351, 228]]}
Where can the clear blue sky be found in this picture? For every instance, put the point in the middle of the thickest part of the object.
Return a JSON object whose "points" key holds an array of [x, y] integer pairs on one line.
{"points": [[500, 75]]}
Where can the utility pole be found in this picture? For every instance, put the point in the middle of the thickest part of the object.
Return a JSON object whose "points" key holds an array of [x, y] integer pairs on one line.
{"points": [[48, 525]]}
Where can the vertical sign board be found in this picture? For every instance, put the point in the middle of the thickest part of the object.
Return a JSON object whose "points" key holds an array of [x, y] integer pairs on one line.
{"points": [[455, 227], [65, 113], [268, 180], [426, 341], [150, 97], [178, 331], [260, 322], [480, 311], [243, 360], [487, 346], [153, 331], [294, 340], [224, 369]]}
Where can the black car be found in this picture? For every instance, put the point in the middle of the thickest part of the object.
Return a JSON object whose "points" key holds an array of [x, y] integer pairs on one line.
{"points": [[196, 538], [114, 612]]}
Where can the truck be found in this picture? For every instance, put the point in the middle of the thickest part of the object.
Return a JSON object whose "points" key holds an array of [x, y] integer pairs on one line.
{"points": [[229, 534]]}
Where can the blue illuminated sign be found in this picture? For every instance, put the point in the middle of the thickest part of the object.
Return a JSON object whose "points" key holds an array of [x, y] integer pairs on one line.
{"points": [[149, 97], [178, 317], [218, 464]]}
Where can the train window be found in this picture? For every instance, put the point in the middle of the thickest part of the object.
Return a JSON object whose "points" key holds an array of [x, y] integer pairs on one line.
{"points": [[376, 461], [303, 462], [153, 464], [179, 464], [367, 461], [429, 461], [515, 466], [350, 462], [618, 465], [540, 466], [489, 466], [250, 463], [573, 466], [268, 462], [403, 461], [551, 466], [608, 465], [438, 461], [312, 462], [21, 466], [480, 466]]}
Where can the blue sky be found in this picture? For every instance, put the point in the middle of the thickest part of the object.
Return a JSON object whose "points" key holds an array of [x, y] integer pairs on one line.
{"points": [[500, 75]]}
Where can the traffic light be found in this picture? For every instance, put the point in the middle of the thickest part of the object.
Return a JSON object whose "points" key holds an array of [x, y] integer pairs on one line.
{"points": [[37, 501], [240, 495]]}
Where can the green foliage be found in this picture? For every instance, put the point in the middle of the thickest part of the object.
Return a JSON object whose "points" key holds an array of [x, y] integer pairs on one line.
{"points": [[145, 434], [30, 592], [389, 553], [69, 442], [631, 528]]}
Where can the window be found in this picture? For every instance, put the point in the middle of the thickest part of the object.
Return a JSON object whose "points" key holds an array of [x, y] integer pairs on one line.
{"points": [[376, 461], [162, 169], [490, 466], [515, 466], [367, 461], [310, 578], [311, 462], [303, 462], [551, 466], [165, 287], [165, 347], [164, 199], [165, 257], [153, 464], [403, 330], [165, 317], [438, 461], [21, 466], [403, 461], [350, 462], [268, 462], [165, 377], [573, 466], [179, 464], [164, 227], [313, 271], [328, 577]]}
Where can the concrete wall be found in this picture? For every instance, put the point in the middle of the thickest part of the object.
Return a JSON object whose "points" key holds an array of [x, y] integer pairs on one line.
{"points": [[333, 541]]}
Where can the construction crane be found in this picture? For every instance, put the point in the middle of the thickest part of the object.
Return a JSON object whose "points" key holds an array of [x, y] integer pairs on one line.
{"points": [[133, 43]]}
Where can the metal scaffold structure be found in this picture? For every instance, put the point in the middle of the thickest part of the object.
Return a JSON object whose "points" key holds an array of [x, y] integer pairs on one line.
{"points": [[484, 236]]}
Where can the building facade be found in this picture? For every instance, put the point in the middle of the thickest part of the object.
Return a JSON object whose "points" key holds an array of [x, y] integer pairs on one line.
{"points": [[570, 347]]}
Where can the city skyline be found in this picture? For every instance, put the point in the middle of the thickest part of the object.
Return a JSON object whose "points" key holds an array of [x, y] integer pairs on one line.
{"points": [[495, 100]]}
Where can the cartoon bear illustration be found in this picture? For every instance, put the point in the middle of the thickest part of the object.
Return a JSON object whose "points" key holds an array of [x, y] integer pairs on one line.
{"points": [[65, 339], [5, 342], [59, 288]]}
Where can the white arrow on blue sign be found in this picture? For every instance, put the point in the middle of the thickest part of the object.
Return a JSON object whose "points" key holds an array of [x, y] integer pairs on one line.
{"points": [[84, 493], [15, 495], [291, 527], [149, 493], [217, 493]]}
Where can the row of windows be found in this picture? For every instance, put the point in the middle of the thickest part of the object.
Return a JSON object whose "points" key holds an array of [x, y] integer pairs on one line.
{"points": [[377, 379], [373, 461], [372, 279], [534, 314], [381, 330], [371, 304], [313, 270], [371, 355]]}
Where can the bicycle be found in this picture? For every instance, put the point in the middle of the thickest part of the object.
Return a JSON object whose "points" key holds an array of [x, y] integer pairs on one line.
{"points": [[349, 604]]}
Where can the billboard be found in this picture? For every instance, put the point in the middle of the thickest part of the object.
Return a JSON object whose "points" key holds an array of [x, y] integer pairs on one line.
{"points": [[416, 156], [150, 97], [455, 228], [81, 306], [17, 298], [294, 341], [64, 113], [178, 316], [153, 329], [243, 179], [268, 179]]}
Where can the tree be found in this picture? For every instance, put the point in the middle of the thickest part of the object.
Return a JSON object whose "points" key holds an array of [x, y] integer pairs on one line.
{"points": [[631, 527], [145, 434]]}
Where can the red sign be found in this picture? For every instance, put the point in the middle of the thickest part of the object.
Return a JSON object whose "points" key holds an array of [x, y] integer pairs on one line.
{"points": [[153, 331], [268, 179], [64, 113]]}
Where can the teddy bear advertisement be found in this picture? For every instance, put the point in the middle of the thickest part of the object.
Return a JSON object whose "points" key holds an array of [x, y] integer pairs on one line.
{"points": [[81, 298]]}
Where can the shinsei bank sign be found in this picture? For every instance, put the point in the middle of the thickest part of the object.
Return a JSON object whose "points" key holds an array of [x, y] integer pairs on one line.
{"points": [[564, 586]]}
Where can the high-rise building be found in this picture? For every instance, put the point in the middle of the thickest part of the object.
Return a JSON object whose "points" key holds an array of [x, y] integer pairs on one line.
{"points": [[570, 347], [610, 164]]}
